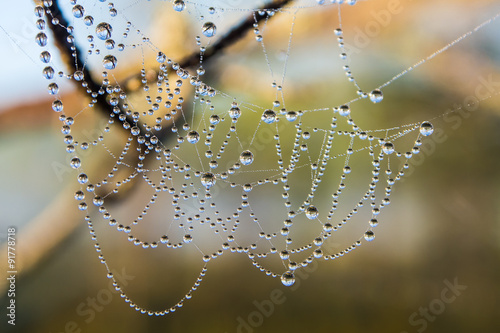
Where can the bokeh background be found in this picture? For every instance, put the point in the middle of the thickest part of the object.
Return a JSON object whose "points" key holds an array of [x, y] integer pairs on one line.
{"points": [[442, 227]]}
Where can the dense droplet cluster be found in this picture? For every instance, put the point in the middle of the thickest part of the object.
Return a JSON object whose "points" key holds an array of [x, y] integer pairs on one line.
{"points": [[185, 141]]}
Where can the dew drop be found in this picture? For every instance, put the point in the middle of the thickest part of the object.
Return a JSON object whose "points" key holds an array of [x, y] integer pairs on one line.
{"points": [[288, 279], [208, 179], [312, 212], [78, 75], [214, 119], [45, 56], [57, 105], [109, 61], [161, 57], [426, 128], [187, 238], [291, 116], [234, 112], [376, 96], [369, 235], [193, 137], [246, 157], [209, 29], [344, 110], [103, 30], [388, 148], [75, 163], [78, 11], [269, 116], [82, 178], [88, 20], [179, 5], [41, 39]]}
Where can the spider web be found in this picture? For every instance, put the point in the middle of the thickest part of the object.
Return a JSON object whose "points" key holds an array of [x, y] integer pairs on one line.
{"points": [[250, 169]]}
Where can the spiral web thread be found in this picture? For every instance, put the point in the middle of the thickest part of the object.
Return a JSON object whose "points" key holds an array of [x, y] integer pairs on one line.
{"points": [[219, 160]]}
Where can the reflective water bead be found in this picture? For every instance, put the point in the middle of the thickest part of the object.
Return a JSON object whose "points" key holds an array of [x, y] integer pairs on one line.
{"points": [[208, 179], [45, 56], [187, 238], [109, 62], [82, 178], [103, 30], [376, 96], [269, 116], [369, 235], [110, 44], [312, 212], [57, 105], [161, 57], [78, 11], [234, 112], [53, 88], [39, 11], [75, 163], [41, 39], [193, 137], [179, 5], [78, 75], [209, 29], [426, 128], [288, 279], [344, 110], [291, 116], [88, 20], [214, 119], [246, 157], [40, 24], [388, 148]]}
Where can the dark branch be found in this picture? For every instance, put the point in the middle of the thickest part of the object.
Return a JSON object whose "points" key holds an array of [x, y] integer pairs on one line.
{"points": [[234, 35]]}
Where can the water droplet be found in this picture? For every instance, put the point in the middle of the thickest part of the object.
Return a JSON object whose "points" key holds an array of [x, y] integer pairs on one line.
{"points": [[234, 112], [57, 105], [269, 116], [187, 238], [45, 56], [208, 179], [82, 178], [369, 235], [193, 137], [179, 5], [75, 163], [288, 279], [209, 29], [78, 11], [291, 116], [426, 128], [41, 39], [109, 62], [48, 72], [246, 157], [214, 119], [312, 212], [78, 75], [376, 96], [88, 20], [388, 148], [103, 30], [110, 44], [347, 169], [161, 57], [344, 110]]}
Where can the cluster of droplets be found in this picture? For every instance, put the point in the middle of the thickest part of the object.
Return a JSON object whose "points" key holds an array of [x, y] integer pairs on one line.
{"points": [[182, 182]]}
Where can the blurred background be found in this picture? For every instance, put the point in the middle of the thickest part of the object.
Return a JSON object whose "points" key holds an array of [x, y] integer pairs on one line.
{"points": [[434, 265]]}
